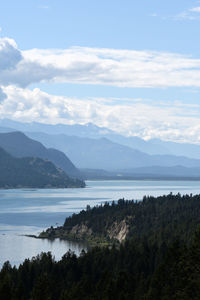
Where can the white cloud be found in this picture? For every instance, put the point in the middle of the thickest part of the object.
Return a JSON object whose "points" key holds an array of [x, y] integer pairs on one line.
{"points": [[9, 55], [3, 96], [169, 121], [121, 68], [195, 9], [154, 15], [189, 14]]}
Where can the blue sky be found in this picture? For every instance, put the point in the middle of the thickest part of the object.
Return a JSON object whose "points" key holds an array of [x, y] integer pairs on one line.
{"points": [[137, 56], [119, 24]]}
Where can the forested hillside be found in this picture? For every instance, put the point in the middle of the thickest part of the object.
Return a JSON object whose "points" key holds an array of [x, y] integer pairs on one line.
{"points": [[32, 172], [19, 145], [159, 259], [158, 219]]}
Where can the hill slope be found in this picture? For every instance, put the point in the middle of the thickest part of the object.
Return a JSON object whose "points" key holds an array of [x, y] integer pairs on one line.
{"points": [[169, 216], [19, 145], [33, 173]]}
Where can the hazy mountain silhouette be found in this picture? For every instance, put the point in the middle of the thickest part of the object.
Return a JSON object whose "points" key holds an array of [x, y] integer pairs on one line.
{"points": [[105, 154], [32, 172], [153, 146], [19, 145]]}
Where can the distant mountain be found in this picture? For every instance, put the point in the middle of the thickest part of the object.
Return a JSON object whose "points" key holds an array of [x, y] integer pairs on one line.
{"points": [[87, 130], [185, 149], [173, 171], [32, 172], [139, 144], [6, 129], [19, 145], [94, 153], [153, 146], [147, 173], [105, 154]]}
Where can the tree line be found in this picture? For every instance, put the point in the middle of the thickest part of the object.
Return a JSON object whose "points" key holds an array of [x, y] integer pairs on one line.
{"points": [[158, 260]]}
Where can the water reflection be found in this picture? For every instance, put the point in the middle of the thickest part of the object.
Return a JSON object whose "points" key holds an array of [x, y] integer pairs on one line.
{"points": [[16, 248]]}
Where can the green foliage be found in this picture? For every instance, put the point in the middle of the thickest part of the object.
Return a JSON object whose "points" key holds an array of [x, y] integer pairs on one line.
{"points": [[159, 220], [160, 258]]}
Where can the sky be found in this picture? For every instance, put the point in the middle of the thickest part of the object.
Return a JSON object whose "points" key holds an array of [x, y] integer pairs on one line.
{"points": [[131, 66]]}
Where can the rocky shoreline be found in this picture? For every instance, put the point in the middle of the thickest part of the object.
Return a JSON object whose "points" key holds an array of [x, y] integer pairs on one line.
{"points": [[114, 234]]}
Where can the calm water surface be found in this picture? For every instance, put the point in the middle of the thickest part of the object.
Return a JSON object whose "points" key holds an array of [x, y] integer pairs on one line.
{"points": [[30, 211]]}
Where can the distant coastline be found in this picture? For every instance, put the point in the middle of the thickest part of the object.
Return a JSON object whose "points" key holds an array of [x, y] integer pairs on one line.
{"points": [[145, 178]]}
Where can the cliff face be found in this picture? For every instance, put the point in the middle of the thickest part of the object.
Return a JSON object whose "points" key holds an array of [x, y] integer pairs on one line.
{"points": [[80, 231], [117, 231], [101, 225]]}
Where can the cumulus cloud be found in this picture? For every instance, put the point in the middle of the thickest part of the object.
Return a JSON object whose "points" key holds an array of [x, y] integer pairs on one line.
{"points": [[121, 68], [136, 117], [3, 96], [9, 55]]}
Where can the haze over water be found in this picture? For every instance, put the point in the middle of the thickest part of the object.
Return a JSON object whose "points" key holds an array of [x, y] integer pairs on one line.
{"points": [[31, 211]]}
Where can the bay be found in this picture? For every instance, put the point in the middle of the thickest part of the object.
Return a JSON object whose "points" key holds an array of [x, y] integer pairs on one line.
{"points": [[29, 211]]}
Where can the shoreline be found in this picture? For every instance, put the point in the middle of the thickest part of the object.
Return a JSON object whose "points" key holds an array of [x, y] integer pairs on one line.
{"points": [[89, 243]]}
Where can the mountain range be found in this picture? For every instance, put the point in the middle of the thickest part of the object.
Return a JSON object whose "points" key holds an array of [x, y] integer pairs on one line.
{"points": [[99, 152], [152, 146], [105, 154]]}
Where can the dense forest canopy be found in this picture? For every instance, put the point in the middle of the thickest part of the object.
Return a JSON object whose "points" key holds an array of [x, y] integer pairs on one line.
{"points": [[159, 258], [157, 219]]}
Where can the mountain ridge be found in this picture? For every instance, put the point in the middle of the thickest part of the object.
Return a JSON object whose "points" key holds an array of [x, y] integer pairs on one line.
{"points": [[19, 145], [152, 146], [32, 172], [105, 154]]}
